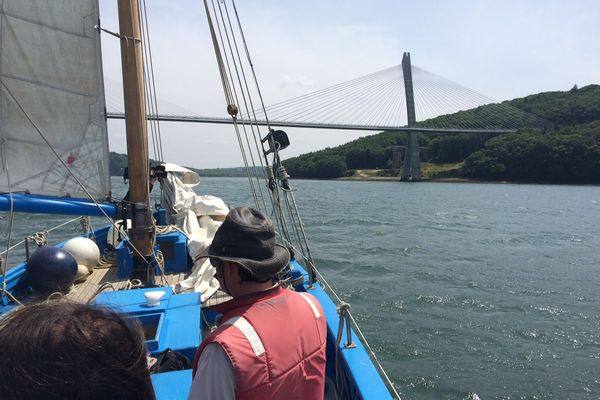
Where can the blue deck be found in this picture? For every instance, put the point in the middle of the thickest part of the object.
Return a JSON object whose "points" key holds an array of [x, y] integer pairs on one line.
{"points": [[173, 246], [178, 326], [175, 323], [172, 385], [176, 319]]}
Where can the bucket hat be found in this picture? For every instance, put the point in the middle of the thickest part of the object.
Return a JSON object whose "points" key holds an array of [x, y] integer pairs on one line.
{"points": [[247, 238]]}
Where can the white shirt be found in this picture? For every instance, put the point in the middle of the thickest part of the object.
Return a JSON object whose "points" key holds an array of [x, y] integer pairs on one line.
{"points": [[215, 378]]}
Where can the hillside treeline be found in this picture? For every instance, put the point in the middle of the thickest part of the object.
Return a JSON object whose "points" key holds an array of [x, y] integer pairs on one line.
{"points": [[118, 162], [558, 140]]}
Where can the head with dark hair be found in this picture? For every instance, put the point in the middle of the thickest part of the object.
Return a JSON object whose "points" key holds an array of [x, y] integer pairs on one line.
{"points": [[65, 350]]}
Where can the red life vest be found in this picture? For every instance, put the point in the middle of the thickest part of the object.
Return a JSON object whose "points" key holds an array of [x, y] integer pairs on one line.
{"points": [[276, 343]]}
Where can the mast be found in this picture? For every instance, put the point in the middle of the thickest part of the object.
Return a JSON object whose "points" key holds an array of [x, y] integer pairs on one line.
{"points": [[142, 232]]}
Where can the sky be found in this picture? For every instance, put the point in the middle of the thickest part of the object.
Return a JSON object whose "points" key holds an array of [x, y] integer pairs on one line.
{"points": [[503, 49]]}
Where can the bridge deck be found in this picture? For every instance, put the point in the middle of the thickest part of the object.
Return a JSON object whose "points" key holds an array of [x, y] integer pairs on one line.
{"points": [[229, 121]]}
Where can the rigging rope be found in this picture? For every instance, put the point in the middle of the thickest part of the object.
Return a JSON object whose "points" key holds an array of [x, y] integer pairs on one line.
{"points": [[154, 125], [4, 260], [112, 222], [284, 208], [363, 339], [150, 84], [231, 107], [152, 107], [246, 98], [47, 231], [232, 86], [8, 247]]}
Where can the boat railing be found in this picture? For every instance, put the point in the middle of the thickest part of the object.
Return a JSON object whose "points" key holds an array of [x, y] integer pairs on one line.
{"points": [[347, 320], [39, 236]]}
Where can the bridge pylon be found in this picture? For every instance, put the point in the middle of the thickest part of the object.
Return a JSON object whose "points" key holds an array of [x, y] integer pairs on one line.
{"points": [[411, 169]]}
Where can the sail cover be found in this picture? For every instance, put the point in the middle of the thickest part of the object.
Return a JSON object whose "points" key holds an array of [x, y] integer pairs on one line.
{"points": [[52, 90]]}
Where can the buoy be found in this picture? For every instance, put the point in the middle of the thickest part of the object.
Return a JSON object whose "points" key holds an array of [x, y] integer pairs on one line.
{"points": [[82, 273], [51, 269], [85, 251]]}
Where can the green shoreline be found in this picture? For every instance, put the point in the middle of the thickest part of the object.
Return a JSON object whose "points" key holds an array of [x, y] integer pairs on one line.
{"points": [[452, 180], [397, 179]]}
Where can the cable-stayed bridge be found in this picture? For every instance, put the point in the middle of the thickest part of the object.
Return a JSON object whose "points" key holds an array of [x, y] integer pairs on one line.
{"points": [[401, 98]]}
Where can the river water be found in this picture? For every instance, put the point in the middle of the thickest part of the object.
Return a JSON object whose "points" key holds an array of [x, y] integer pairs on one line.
{"points": [[458, 287], [490, 288]]}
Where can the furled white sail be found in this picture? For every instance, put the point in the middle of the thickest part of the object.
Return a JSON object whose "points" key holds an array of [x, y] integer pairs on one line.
{"points": [[52, 90], [199, 216]]}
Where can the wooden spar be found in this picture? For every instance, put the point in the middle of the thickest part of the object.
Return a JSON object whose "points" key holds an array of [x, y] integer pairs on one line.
{"points": [[142, 233]]}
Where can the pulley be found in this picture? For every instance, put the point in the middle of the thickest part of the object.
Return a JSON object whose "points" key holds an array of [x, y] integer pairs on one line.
{"points": [[277, 139]]}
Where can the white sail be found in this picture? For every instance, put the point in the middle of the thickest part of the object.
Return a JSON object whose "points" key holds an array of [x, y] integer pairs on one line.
{"points": [[51, 71]]}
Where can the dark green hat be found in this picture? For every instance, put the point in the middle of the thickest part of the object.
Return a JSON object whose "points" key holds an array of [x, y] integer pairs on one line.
{"points": [[247, 238]]}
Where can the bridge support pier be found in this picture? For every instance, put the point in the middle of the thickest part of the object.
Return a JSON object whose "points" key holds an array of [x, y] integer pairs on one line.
{"points": [[411, 169]]}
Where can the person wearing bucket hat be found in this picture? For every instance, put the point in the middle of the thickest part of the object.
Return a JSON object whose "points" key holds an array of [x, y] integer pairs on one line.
{"points": [[272, 341], [247, 238]]}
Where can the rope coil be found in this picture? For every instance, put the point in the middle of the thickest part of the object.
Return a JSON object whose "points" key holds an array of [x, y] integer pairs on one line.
{"points": [[39, 238], [343, 310]]}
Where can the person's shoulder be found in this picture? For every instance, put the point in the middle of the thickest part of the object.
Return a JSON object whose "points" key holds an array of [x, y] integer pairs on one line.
{"points": [[311, 300], [215, 350]]}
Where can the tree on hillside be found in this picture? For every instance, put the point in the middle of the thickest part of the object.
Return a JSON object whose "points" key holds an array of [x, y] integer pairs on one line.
{"points": [[532, 156], [366, 158], [565, 150], [454, 148]]}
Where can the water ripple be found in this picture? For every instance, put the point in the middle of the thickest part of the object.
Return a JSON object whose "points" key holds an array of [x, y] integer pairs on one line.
{"points": [[491, 288]]}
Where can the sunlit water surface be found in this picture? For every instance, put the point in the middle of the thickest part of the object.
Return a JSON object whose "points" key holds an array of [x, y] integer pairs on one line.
{"points": [[489, 288]]}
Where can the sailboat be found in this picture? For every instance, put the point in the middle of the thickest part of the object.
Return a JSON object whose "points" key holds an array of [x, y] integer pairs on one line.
{"points": [[54, 160]]}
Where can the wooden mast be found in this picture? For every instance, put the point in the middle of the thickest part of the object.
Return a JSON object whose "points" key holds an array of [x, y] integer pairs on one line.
{"points": [[142, 233]]}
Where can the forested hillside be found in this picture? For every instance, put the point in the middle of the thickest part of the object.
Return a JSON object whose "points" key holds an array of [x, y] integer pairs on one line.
{"points": [[118, 163], [564, 148]]}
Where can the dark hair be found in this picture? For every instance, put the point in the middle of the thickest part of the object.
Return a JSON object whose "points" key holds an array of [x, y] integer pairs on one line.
{"points": [[65, 350]]}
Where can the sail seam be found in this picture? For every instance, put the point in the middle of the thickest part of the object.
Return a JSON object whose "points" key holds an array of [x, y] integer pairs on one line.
{"points": [[52, 28], [34, 82]]}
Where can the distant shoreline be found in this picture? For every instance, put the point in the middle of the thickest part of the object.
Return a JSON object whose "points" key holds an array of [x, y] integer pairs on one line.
{"points": [[397, 179], [453, 180]]}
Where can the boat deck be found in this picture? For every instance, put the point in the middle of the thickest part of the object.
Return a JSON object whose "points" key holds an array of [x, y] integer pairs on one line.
{"points": [[108, 279]]}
